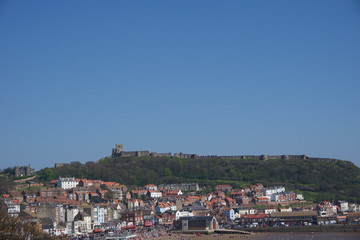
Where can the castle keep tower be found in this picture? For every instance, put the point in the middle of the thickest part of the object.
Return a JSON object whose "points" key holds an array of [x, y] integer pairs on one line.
{"points": [[117, 150]]}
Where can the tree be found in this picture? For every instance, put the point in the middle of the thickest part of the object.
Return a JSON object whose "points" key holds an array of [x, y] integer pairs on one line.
{"points": [[6, 184], [204, 173], [109, 195], [9, 171], [166, 172], [97, 199], [47, 174], [133, 180]]}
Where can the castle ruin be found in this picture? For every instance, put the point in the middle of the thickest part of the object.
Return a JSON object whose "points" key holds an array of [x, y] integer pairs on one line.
{"points": [[119, 152], [23, 171]]}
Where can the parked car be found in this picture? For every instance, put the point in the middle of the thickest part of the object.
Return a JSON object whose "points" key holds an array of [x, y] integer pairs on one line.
{"points": [[254, 225]]}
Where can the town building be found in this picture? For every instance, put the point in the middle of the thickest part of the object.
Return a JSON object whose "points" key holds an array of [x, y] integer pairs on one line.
{"points": [[283, 197], [66, 183], [196, 223], [294, 217]]}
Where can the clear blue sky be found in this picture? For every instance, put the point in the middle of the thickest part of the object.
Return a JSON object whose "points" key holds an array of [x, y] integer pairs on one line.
{"points": [[205, 77]]}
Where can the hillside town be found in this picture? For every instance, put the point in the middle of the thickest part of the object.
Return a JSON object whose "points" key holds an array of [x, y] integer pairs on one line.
{"points": [[74, 207]]}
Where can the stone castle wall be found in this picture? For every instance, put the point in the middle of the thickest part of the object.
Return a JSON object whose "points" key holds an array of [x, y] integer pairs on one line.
{"points": [[134, 154], [118, 152], [155, 154], [258, 157]]}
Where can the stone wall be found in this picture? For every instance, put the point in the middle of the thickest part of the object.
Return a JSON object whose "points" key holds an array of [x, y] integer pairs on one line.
{"points": [[134, 154], [58, 165], [267, 157], [185, 155], [155, 154], [119, 152]]}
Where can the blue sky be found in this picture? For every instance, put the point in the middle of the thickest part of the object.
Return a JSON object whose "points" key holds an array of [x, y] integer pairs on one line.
{"points": [[205, 77]]}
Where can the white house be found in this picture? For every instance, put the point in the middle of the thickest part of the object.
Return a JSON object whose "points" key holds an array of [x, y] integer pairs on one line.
{"points": [[87, 219], [180, 214], [253, 211], [285, 209], [283, 197], [272, 190], [82, 223], [344, 206], [60, 230], [13, 209], [299, 196], [66, 183], [98, 215], [270, 210], [237, 215], [242, 211], [230, 215], [353, 207], [155, 194], [70, 213]]}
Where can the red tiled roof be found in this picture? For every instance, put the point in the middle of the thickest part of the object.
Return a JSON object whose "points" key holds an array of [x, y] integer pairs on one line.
{"points": [[255, 216], [110, 183]]}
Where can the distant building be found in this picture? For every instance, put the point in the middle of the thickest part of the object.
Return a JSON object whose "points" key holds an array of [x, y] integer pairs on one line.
{"points": [[135, 217], [181, 186], [183, 213], [344, 206], [13, 208], [185, 155], [273, 190], [119, 152], [283, 197], [223, 188], [299, 196], [151, 187], [23, 171], [293, 217], [326, 209], [196, 223], [67, 183], [154, 194], [58, 165]]}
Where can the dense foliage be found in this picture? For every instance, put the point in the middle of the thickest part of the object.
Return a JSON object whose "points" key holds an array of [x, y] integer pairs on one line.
{"points": [[6, 183], [330, 181]]}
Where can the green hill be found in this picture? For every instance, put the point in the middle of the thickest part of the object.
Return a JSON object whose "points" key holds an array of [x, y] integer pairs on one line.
{"points": [[316, 179]]}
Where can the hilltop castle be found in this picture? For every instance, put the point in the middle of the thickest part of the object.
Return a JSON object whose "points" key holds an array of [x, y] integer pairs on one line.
{"points": [[119, 152], [23, 171]]}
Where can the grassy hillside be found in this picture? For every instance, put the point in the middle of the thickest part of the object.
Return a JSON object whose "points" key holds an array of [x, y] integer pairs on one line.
{"points": [[317, 180]]}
